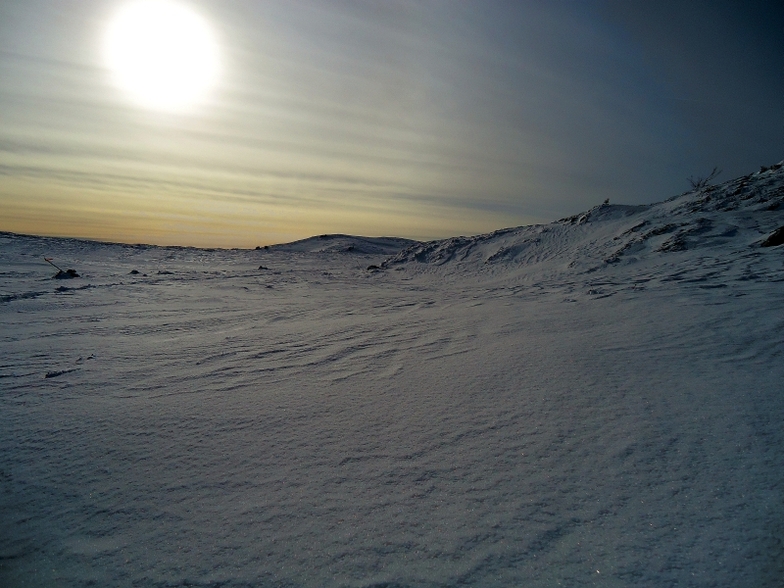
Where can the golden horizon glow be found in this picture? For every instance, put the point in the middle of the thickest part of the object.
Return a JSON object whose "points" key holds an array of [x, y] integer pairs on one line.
{"points": [[162, 54], [180, 218]]}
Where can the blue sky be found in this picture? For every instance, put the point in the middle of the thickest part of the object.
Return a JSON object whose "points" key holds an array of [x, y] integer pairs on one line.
{"points": [[413, 119]]}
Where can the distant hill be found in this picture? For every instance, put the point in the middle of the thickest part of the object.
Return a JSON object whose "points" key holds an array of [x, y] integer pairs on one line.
{"points": [[345, 244]]}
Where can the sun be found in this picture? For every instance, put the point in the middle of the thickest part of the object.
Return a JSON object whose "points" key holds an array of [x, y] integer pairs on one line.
{"points": [[162, 53]]}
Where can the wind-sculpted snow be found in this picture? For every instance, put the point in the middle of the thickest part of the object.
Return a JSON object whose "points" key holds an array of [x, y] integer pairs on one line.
{"points": [[596, 401]]}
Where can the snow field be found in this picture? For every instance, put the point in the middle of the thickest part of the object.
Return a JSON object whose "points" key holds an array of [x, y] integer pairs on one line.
{"points": [[550, 417]]}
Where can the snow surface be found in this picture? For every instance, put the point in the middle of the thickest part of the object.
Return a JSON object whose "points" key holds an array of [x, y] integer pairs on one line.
{"points": [[597, 401]]}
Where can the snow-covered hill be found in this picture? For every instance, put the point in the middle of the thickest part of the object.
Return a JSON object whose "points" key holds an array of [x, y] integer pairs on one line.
{"points": [[345, 244], [596, 401]]}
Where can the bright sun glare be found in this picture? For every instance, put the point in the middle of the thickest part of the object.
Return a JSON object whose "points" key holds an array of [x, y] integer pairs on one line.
{"points": [[162, 53]]}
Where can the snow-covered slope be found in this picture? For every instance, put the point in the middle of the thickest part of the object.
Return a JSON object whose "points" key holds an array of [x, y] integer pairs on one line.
{"points": [[596, 401], [713, 234]]}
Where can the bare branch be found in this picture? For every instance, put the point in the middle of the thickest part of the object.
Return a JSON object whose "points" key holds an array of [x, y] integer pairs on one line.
{"points": [[700, 182]]}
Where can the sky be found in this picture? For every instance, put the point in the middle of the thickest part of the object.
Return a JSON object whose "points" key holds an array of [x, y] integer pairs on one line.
{"points": [[398, 118]]}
